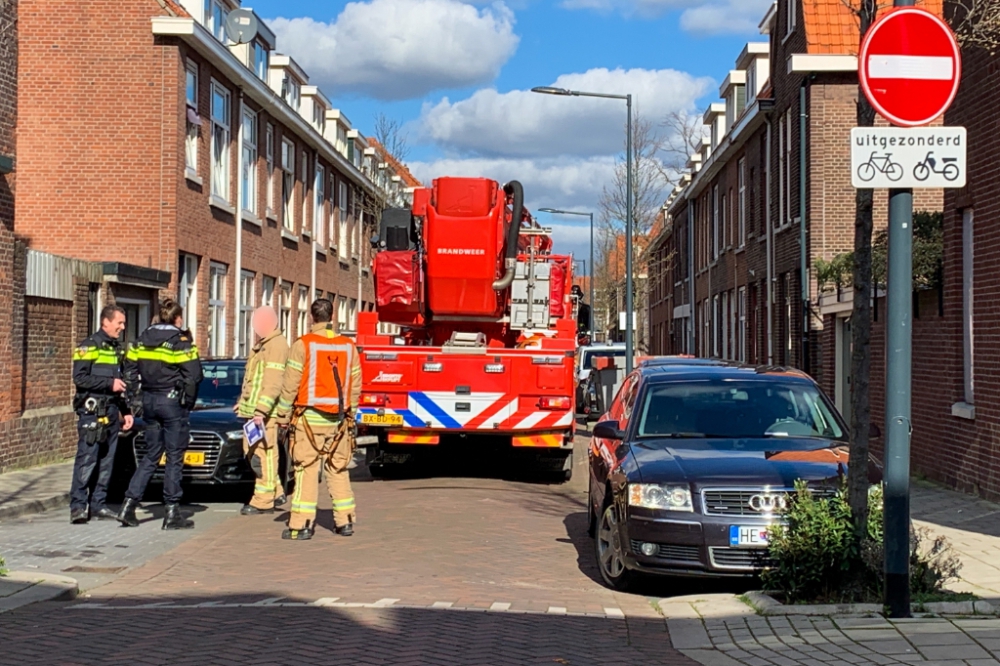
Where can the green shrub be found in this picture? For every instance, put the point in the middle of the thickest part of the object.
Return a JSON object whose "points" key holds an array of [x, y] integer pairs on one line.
{"points": [[3, 569], [817, 558]]}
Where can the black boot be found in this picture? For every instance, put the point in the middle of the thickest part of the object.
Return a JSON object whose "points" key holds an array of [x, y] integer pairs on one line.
{"points": [[104, 513], [79, 516], [346, 530], [251, 510], [173, 519], [304, 534], [127, 515]]}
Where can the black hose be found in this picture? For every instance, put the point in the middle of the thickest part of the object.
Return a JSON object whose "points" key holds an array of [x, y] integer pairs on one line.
{"points": [[514, 189]]}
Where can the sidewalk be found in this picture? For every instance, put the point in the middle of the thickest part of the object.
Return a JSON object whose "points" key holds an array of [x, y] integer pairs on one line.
{"points": [[20, 588], [35, 490]]}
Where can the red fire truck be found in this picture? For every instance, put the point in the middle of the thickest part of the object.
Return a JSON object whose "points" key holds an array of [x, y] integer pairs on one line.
{"points": [[487, 329]]}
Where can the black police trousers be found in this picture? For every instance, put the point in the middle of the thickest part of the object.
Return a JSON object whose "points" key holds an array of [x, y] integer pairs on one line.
{"points": [[89, 488], [167, 430]]}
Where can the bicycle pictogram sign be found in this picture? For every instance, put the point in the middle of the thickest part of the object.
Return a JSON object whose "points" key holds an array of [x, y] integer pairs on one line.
{"points": [[880, 164]]}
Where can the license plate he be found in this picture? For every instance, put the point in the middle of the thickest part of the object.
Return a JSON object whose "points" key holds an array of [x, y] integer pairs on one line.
{"points": [[191, 458], [747, 537], [382, 419]]}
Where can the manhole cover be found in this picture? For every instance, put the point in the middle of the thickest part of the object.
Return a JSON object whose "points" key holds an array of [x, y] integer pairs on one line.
{"points": [[94, 570]]}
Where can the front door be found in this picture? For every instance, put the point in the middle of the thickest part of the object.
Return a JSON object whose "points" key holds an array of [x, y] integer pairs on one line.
{"points": [[136, 319], [843, 374]]}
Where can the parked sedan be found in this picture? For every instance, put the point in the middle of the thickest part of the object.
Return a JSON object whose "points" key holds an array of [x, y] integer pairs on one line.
{"points": [[692, 464]]}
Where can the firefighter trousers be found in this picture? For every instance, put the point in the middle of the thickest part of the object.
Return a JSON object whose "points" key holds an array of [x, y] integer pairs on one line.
{"points": [[268, 486], [335, 450]]}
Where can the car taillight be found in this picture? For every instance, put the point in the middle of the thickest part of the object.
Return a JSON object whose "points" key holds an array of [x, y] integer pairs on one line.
{"points": [[373, 400], [561, 402], [433, 367]]}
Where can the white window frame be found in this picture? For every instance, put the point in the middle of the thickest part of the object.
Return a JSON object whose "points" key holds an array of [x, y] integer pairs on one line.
{"points": [[352, 314], [788, 318], [291, 92], [269, 152], [341, 314], [248, 169], [191, 138], [781, 170], [288, 184], [187, 288], [261, 57], [715, 222], [715, 326], [968, 311], [725, 231], [742, 313], [220, 180], [751, 86], [285, 310], [217, 274], [267, 292], [248, 286], [216, 13], [319, 203], [788, 168], [302, 311], [742, 205], [342, 235], [791, 16], [304, 179]]}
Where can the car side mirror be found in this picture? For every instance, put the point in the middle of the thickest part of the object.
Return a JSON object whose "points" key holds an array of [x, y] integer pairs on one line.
{"points": [[608, 430], [874, 432]]}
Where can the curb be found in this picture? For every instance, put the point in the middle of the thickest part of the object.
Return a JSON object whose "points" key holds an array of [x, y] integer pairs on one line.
{"points": [[34, 506], [20, 588], [765, 604]]}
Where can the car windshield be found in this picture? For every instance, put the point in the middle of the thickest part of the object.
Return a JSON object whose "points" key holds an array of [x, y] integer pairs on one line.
{"points": [[221, 386], [590, 357], [737, 409]]}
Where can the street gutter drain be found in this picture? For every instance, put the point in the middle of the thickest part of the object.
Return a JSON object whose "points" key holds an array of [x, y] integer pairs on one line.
{"points": [[94, 570]]}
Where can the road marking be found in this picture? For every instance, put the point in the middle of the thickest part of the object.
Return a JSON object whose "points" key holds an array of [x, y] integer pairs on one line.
{"points": [[325, 601], [498, 606], [556, 610], [615, 613], [384, 603], [442, 604], [273, 601]]}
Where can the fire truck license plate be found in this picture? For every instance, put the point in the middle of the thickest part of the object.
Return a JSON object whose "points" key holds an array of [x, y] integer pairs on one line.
{"points": [[382, 419], [192, 458]]}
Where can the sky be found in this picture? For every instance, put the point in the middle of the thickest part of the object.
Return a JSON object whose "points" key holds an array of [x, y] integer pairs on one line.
{"points": [[457, 75]]}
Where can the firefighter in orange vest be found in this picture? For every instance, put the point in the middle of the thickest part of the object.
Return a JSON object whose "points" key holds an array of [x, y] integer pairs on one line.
{"points": [[319, 397]]}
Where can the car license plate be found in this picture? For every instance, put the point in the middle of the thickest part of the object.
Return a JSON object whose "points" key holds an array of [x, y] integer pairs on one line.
{"points": [[747, 537], [192, 458], [382, 419]]}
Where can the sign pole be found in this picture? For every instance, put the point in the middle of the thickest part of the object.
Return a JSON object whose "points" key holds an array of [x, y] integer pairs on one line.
{"points": [[899, 353]]}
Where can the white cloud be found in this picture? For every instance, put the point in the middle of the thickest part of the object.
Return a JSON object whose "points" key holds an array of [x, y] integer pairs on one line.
{"points": [[525, 124], [401, 49], [704, 17]]}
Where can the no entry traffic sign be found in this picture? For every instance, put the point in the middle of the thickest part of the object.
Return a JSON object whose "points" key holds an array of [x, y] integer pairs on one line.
{"points": [[910, 66]]}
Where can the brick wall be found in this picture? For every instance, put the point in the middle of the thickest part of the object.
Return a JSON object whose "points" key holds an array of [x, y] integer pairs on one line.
{"points": [[48, 347]]}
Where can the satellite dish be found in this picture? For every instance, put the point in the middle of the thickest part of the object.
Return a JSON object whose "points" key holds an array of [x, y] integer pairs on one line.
{"points": [[241, 26]]}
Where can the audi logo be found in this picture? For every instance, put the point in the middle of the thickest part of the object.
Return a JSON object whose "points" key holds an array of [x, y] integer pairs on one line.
{"points": [[768, 503]]}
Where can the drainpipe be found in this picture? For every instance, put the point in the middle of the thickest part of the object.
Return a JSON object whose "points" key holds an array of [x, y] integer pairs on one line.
{"points": [[238, 264], [770, 255], [803, 249], [691, 307]]}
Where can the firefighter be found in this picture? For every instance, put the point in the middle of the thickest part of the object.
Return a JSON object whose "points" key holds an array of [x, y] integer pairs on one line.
{"points": [[103, 410], [261, 389], [165, 359], [319, 396]]}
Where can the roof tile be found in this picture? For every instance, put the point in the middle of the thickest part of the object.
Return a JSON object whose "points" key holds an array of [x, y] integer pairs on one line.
{"points": [[832, 27]]}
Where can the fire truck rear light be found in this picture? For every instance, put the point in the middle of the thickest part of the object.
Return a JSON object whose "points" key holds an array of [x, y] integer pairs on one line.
{"points": [[373, 399], [561, 402], [494, 368], [433, 367], [547, 360]]}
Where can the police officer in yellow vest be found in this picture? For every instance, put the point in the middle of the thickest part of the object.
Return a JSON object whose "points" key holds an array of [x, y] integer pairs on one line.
{"points": [[320, 394], [261, 389]]}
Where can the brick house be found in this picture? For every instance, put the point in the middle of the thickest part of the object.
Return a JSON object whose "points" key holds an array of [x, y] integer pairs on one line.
{"points": [[226, 180], [740, 233]]}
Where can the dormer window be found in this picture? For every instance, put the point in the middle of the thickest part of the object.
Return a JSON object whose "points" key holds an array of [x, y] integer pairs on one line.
{"points": [[319, 117], [260, 60], [751, 90], [216, 14], [291, 92], [791, 7]]}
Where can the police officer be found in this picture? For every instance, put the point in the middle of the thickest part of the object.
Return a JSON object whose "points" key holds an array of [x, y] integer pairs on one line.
{"points": [[319, 396], [261, 389], [165, 359], [101, 405]]}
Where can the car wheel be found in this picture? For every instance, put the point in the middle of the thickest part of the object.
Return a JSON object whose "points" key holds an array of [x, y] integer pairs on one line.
{"points": [[610, 552]]}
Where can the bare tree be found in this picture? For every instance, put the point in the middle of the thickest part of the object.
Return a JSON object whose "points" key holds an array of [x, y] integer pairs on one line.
{"points": [[389, 132], [976, 23], [649, 187], [684, 134]]}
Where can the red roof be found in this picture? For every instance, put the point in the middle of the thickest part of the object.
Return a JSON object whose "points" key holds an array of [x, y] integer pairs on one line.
{"points": [[398, 167], [832, 28]]}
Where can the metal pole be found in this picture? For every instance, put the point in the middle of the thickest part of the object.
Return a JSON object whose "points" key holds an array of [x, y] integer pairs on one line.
{"points": [[898, 359], [591, 277], [803, 246], [629, 332]]}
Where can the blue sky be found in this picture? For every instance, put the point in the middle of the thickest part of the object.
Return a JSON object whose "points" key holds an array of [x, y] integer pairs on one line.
{"points": [[456, 74]]}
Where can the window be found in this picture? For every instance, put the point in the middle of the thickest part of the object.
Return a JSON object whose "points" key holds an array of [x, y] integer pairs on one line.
{"points": [[741, 344], [285, 311], [751, 89], [215, 18], [724, 323], [765, 165], [788, 318], [304, 178], [352, 314], [319, 208], [247, 293], [715, 326], [249, 170], [260, 58], [217, 310], [781, 171], [791, 7], [291, 92], [302, 313], [342, 222], [968, 256], [220, 141], [715, 223], [187, 288], [193, 119], [724, 213], [269, 151], [267, 292], [319, 116], [742, 205], [287, 183], [788, 168], [341, 314]]}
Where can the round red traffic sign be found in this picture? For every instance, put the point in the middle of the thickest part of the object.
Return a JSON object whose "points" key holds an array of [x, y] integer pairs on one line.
{"points": [[910, 66]]}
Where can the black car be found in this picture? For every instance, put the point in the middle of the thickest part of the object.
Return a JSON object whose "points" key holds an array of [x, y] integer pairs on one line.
{"points": [[215, 451], [692, 463]]}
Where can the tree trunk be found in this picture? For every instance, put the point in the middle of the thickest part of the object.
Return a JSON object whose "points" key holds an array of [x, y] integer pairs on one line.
{"points": [[861, 321]]}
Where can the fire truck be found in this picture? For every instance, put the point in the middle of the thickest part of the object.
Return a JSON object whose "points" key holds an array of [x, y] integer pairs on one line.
{"points": [[484, 330]]}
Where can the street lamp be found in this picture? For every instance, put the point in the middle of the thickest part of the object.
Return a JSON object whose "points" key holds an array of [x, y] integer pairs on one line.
{"points": [[554, 211], [550, 90]]}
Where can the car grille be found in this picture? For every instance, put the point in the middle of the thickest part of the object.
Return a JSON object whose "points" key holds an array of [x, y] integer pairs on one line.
{"points": [[209, 442], [738, 502], [739, 558], [671, 551]]}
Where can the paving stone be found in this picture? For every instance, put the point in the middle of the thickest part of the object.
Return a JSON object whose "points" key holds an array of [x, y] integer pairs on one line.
{"points": [[890, 647], [954, 637], [946, 652]]}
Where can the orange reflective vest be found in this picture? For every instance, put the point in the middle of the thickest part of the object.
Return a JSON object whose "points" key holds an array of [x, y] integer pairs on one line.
{"points": [[326, 377]]}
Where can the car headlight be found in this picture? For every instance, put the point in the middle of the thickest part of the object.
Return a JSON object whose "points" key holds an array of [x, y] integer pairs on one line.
{"points": [[234, 435], [656, 496]]}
